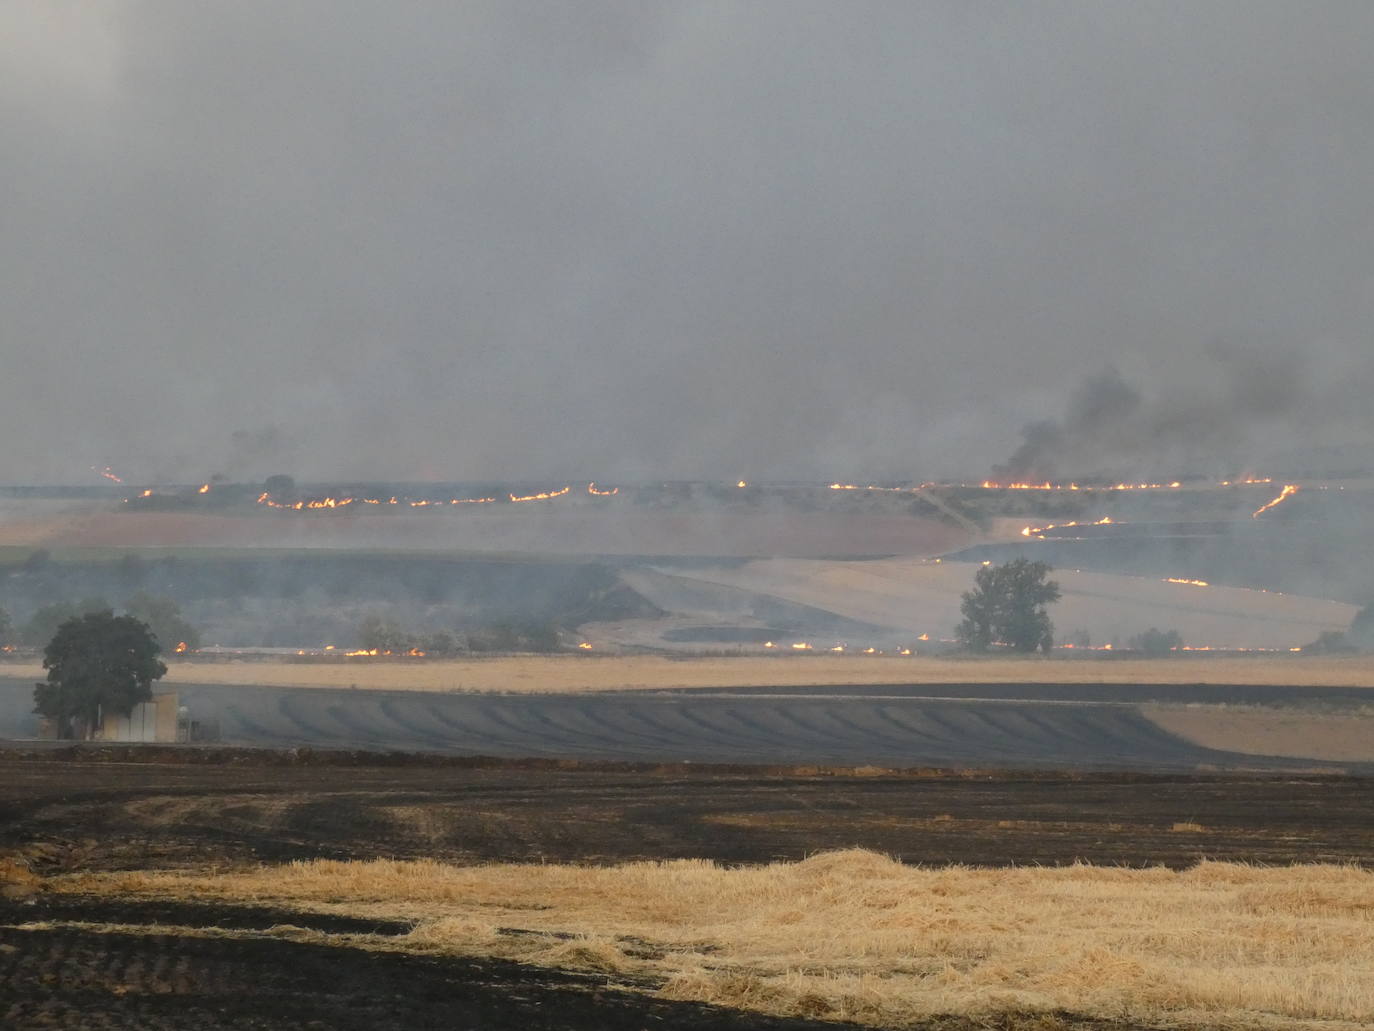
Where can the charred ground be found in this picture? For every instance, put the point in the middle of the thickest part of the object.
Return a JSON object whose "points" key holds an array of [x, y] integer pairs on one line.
{"points": [[84, 962]]}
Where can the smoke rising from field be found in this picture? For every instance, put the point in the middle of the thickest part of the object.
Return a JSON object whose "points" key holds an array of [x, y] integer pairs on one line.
{"points": [[1112, 430], [632, 240]]}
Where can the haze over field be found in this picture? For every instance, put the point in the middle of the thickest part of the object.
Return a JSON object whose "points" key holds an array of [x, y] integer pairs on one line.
{"points": [[637, 240]]}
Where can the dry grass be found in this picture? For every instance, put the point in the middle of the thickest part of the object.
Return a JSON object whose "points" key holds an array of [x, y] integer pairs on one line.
{"points": [[577, 673], [854, 935], [1338, 737]]}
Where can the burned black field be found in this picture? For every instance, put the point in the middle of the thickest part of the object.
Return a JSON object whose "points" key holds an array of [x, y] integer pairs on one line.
{"points": [[249, 808], [77, 961], [81, 962]]}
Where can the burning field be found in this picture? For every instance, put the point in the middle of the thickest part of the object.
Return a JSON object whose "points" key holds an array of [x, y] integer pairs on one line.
{"points": [[758, 789]]}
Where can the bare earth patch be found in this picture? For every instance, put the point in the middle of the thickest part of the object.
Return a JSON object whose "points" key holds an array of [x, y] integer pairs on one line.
{"points": [[1344, 737], [854, 935]]}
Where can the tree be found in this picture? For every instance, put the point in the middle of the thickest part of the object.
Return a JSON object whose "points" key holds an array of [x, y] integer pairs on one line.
{"points": [[280, 486], [374, 632], [1155, 642], [97, 663], [1007, 606], [43, 624], [439, 642], [507, 636], [163, 617]]}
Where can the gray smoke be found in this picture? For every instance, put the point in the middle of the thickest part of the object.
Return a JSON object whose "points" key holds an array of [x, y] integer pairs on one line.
{"points": [[640, 239], [1226, 425]]}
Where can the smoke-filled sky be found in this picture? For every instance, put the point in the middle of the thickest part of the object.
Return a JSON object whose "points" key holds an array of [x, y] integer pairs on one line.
{"points": [[632, 240]]}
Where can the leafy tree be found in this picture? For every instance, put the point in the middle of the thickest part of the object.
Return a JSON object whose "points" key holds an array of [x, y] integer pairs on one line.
{"points": [[280, 486], [1154, 642], [43, 624], [439, 642], [376, 632], [498, 637], [540, 637], [97, 663], [513, 637], [164, 619], [1007, 606]]}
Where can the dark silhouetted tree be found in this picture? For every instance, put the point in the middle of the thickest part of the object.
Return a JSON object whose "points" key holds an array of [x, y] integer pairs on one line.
{"points": [[376, 632], [164, 619], [1155, 642], [1007, 606], [41, 626], [280, 486], [97, 663]]}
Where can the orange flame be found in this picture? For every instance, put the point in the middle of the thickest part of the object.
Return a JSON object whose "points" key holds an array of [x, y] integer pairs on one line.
{"points": [[181, 647], [1191, 583], [994, 485], [265, 498], [1039, 531], [542, 497], [1288, 491], [591, 489], [586, 646], [204, 489], [108, 473]]}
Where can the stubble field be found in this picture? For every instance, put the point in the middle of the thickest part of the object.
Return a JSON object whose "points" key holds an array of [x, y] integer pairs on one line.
{"points": [[266, 889], [573, 673]]}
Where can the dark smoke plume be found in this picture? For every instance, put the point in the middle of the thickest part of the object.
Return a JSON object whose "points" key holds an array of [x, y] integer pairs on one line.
{"points": [[1112, 431]]}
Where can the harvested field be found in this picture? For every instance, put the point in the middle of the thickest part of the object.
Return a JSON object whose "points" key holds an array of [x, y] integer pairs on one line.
{"points": [[573, 673], [911, 595], [1343, 737], [528, 529], [854, 935], [224, 942]]}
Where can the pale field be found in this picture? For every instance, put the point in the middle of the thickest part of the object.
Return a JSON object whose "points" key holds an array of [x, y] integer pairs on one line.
{"points": [[578, 673], [1343, 737], [911, 595], [856, 936]]}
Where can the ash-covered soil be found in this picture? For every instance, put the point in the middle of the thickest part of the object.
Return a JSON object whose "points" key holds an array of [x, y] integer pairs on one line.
{"points": [[239, 806], [76, 979]]}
